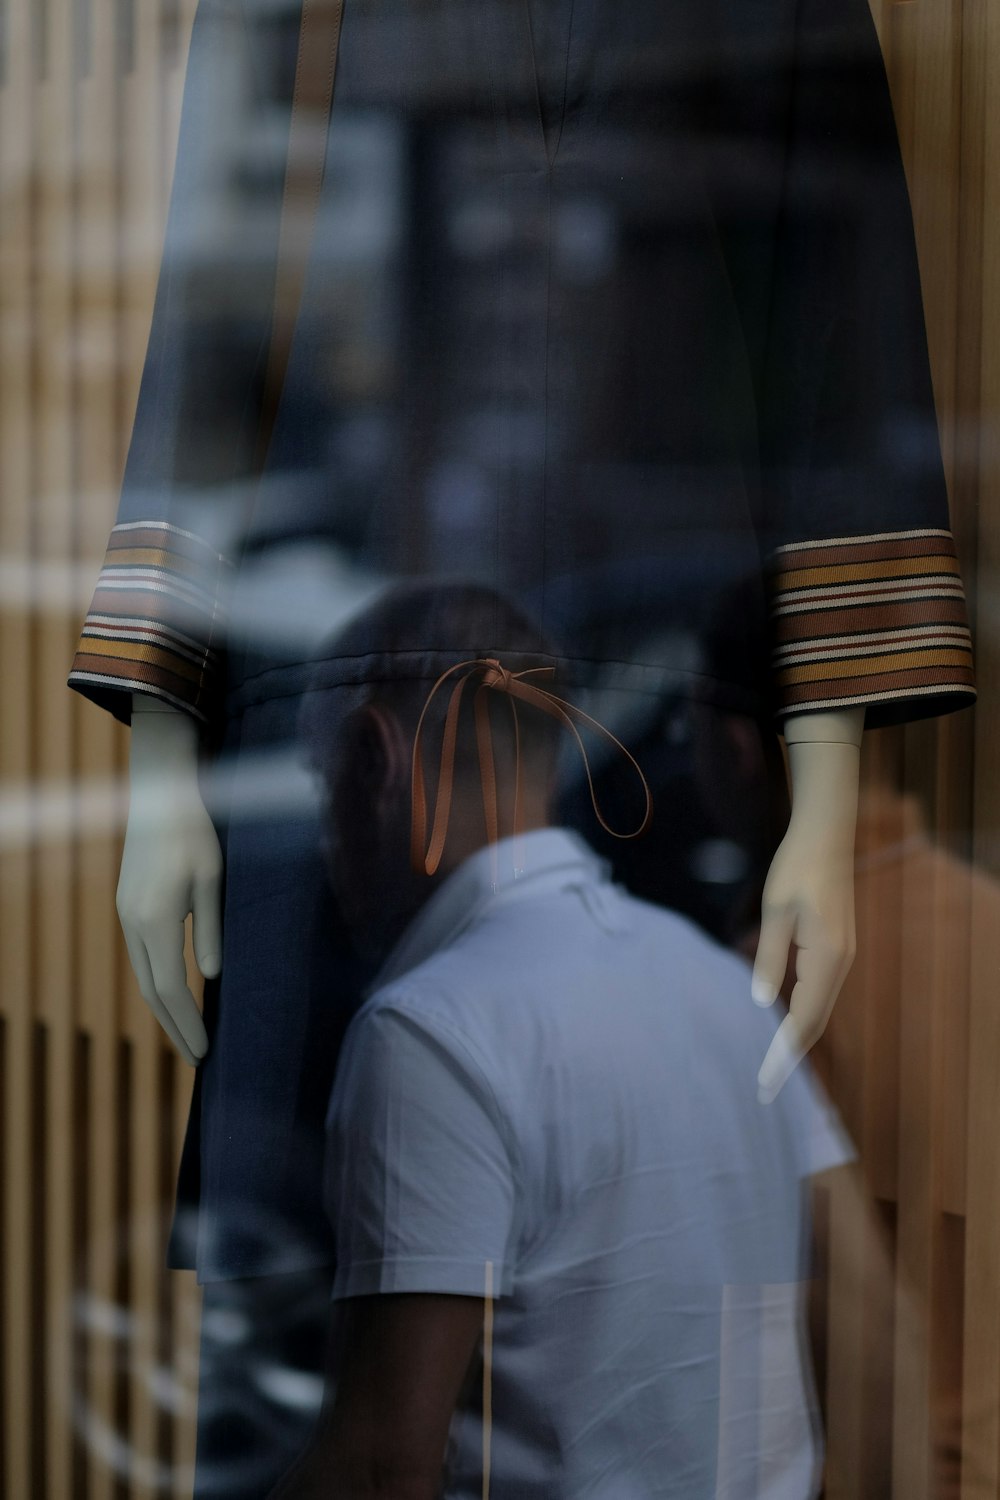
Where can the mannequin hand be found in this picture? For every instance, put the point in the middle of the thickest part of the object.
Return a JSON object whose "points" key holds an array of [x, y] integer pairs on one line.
{"points": [[808, 901], [171, 865]]}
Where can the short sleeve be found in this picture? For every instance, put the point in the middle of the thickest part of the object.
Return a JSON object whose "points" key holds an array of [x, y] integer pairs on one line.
{"points": [[866, 603], [418, 1179]]}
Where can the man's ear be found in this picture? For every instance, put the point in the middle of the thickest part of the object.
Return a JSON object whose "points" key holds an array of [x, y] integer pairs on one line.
{"points": [[383, 754]]}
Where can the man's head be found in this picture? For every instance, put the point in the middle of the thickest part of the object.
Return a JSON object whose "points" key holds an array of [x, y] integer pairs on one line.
{"points": [[360, 739]]}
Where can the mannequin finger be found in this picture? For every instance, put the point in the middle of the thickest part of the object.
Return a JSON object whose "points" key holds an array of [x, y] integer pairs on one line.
{"points": [[174, 1032], [780, 1061], [206, 923], [821, 970], [777, 930], [166, 957], [142, 969]]}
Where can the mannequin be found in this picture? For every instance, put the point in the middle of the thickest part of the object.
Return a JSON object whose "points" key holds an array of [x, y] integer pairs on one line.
{"points": [[172, 865]]}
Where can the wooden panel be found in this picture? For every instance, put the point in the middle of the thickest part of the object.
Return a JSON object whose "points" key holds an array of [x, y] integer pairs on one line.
{"points": [[911, 1050], [185, 1317], [17, 748], [140, 239], [100, 443], [185, 1297], [86, 156], [923, 961], [981, 1369], [52, 511], [88, 119]]}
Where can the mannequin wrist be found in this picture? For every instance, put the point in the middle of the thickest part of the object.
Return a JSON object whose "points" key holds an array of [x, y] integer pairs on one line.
{"points": [[839, 726], [150, 703], [825, 777], [163, 742]]}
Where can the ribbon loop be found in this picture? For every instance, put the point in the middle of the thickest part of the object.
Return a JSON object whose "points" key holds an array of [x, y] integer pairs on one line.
{"points": [[495, 677]]}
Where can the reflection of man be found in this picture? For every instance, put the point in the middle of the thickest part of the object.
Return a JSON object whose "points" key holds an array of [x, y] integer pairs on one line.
{"points": [[569, 1237]]}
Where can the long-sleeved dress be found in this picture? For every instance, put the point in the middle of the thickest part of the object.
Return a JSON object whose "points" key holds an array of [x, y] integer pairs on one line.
{"points": [[612, 307]]}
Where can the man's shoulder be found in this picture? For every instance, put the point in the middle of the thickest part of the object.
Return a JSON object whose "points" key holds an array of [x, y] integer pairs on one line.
{"points": [[695, 952], [422, 1003], [518, 953]]}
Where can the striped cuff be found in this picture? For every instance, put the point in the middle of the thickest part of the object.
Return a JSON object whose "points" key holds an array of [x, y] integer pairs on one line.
{"points": [[156, 621], [877, 619]]}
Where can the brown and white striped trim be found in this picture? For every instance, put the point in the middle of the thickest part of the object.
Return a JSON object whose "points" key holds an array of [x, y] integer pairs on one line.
{"points": [[156, 618], [869, 619]]}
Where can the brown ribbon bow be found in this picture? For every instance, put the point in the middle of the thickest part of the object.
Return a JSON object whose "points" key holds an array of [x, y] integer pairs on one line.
{"points": [[499, 679]]}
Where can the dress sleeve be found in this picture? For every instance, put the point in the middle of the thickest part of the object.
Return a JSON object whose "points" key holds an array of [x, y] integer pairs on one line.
{"points": [[865, 598], [157, 622]]}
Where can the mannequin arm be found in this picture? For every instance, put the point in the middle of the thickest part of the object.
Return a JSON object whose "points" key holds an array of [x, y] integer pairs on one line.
{"points": [[808, 896], [171, 865]]}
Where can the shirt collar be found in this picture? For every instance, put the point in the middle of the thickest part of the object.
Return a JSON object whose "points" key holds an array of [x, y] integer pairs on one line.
{"points": [[554, 859]]}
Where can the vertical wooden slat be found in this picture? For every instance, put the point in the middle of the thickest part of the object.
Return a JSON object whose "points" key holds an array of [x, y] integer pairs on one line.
{"points": [[186, 1318], [16, 168], [185, 1296], [973, 1408], [935, 155], [931, 151], [142, 188], [935, 187], [145, 1269], [881, 912], [861, 1280], [981, 1351], [52, 509], [977, 63], [912, 1469], [899, 40], [844, 1361], [100, 460], [981, 1362], [955, 813], [861, 1057]]}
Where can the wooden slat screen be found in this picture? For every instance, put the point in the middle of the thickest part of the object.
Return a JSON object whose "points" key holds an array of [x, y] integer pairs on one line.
{"points": [[911, 1053], [94, 1102]]}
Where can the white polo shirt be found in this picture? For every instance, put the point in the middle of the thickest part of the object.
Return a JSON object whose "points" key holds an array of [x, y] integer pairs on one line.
{"points": [[554, 1085]]}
